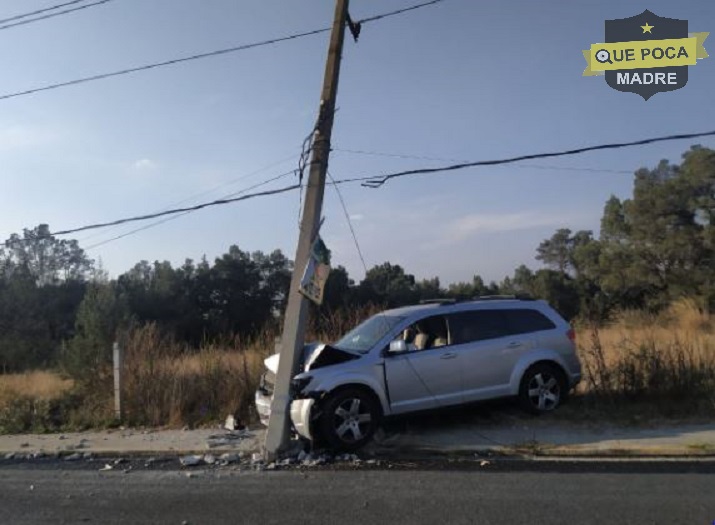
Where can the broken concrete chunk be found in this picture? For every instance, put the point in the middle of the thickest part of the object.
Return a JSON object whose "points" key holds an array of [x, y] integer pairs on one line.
{"points": [[73, 457], [228, 458], [256, 458], [106, 467], [229, 438], [209, 459], [10, 455], [230, 423], [191, 461]]}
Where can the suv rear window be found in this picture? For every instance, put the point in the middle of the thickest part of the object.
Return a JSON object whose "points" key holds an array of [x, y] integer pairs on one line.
{"points": [[525, 321], [479, 325]]}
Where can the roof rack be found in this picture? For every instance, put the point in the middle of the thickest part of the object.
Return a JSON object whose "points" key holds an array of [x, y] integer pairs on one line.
{"points": [[438, 301], [521, 297]]}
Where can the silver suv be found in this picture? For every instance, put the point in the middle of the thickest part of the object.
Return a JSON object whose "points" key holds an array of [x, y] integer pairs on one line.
{"points": [[424, 357]]}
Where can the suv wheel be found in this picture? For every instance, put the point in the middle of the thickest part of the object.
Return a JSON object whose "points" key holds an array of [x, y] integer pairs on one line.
{"points": [[349, 419], [542, 389]]}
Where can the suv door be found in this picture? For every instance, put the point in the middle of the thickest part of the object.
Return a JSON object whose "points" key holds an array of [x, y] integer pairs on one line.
{"points": [[488, 351], [425, 378]]}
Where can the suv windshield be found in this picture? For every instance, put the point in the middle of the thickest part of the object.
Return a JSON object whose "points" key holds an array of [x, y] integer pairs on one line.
{"points": [[364, 336]]}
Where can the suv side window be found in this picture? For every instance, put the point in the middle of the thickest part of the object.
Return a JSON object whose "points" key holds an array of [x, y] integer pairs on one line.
{"points": [[430, 332], [477, 325], [525, 321]]}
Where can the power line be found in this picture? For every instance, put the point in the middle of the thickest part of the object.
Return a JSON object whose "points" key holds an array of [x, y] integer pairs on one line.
{"points": [[165, 63], [51, 15], [39, 11], [209, 191], [377, 181], [442, 159], [218, 202], [199, 56], [181, 214], [398, 11], [347, 218]]}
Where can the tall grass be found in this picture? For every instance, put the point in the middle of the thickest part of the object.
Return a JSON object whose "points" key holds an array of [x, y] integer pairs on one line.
{"points": [[664, 362], [167, 383], [39, 384], [655, 365]]}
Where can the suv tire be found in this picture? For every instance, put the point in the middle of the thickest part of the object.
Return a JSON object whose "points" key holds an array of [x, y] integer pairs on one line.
{"points": [[543, 388], [349, 418]]}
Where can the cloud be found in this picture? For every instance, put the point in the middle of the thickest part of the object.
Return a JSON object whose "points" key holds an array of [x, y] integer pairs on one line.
{"points": [[475, 223], [14, 137], [144, 165]]}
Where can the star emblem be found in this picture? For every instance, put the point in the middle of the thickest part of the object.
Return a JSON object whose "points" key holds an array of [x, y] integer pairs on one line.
{"points": [[647, 28]]}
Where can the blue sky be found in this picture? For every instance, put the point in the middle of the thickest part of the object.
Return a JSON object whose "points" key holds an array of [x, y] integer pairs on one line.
{"points": [[459, 80]]}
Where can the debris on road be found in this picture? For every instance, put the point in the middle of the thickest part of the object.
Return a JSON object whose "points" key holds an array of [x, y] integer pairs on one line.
{"points": [[229, 438], [191, 461], [228, 458], [106, 467], [232, 423], [74, 457]]}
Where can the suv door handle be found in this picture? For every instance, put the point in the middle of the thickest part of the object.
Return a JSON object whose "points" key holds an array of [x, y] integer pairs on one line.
{"points": [[514, 344], [448, 355]]}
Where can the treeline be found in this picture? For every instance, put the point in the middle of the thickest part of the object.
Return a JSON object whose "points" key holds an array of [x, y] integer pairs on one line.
{"points": [[57, 306]]}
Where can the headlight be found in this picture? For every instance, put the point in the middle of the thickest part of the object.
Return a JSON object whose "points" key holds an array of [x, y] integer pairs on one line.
{"points": [[298, 384]]}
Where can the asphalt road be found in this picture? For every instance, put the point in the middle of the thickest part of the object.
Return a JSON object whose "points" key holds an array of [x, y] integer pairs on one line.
{"points": [[501, 492]]}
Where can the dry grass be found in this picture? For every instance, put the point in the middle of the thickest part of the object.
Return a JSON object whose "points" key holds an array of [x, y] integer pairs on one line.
{"points": [[651, 365], [167, 383], [38, 384], [32, 401], [639, 366]]}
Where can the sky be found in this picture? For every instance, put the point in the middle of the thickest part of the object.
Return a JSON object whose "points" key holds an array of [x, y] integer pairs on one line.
{"points": [[460, 80]]}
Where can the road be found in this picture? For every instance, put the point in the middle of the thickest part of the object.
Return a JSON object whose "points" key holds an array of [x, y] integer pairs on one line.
{"points": [[501, 492]]}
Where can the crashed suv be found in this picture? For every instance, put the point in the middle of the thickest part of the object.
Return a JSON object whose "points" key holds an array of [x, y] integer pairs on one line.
{"points": [[428, 356]]}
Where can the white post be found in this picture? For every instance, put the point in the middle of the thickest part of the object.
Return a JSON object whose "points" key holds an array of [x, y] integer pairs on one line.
{"points": [[117, 359]]}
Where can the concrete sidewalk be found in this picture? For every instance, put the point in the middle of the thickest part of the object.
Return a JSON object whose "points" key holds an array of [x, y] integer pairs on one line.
{"points": [[134, 442], [536, 438], [521, 438]]}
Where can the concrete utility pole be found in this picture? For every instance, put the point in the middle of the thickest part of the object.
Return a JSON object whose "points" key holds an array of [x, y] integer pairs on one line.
{"points": [[296, 313]]}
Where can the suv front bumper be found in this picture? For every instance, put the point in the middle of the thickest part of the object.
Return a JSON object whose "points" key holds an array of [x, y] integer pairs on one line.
{"points": [[300, 413]]}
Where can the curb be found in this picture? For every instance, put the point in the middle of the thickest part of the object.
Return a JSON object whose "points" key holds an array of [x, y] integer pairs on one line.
{"points": [[540, 451]]}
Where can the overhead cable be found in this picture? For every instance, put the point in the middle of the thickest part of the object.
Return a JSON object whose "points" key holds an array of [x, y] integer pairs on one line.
{"points": [[51, 15], [373, 181], [198, 56]]}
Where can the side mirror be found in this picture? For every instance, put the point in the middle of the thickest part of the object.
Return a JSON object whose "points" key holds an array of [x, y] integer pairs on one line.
{"points": [[397, 347]]}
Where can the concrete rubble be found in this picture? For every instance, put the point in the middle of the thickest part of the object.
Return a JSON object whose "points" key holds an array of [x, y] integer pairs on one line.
{"points": [[191, 461], [228, 439]]}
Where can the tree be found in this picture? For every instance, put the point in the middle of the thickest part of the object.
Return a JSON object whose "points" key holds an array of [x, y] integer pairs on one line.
{"points": [[99, 318], [388, 284], [48, 259]]}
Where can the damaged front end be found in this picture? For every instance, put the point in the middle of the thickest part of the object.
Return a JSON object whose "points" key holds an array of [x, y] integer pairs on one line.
{"points": [[315, 356]]}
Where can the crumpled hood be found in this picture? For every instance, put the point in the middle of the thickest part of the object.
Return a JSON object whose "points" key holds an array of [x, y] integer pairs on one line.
{"points": [[315, 355]]}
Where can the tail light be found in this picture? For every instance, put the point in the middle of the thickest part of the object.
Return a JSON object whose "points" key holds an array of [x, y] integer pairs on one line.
{"points": [[571, 334]]}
